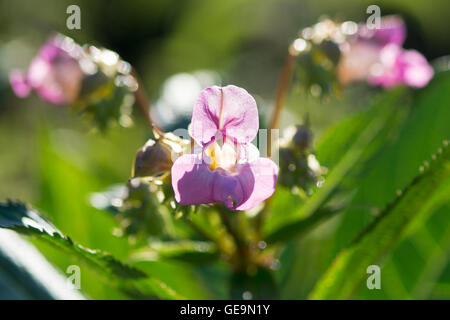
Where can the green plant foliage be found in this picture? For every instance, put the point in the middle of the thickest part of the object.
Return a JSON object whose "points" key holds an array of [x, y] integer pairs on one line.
{"points": [[259, 284], [349, 269], [22, 219], [365, 132], [182, 250]]}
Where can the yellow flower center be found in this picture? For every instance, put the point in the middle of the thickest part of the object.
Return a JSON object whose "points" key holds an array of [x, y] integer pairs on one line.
{"points": [[224, 156]]}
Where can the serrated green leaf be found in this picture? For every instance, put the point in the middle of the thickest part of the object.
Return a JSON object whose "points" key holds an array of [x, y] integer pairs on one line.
{"points": [[348, 271], [22, 219]]}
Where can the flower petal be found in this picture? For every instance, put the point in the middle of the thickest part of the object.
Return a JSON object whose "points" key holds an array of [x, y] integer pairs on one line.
{"points": [[258, 178], [229, 110], [417, 72], [392, 31], [50, 51], [401, 66], [194, 183], [19, 83], [50, 91], [388, 72]]}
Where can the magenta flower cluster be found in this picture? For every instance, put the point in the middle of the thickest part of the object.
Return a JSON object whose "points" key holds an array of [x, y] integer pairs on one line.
{"points": [[376, 55]]}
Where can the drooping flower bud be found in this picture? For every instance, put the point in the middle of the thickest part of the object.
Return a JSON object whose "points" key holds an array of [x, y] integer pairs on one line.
{"points": [[156, 158]]}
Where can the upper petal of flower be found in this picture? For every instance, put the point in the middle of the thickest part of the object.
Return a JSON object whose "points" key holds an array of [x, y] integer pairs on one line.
{"points": [[51, 51], [230, 111], [392, 30]]}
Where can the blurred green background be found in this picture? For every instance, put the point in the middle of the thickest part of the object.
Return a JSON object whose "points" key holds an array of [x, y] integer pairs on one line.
{"points": [[50, 158]]}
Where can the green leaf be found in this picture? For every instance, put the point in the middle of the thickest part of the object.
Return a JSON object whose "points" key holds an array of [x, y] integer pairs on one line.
{"points": [[302, 226], [373, 125], [22, 219], [348, 271]]}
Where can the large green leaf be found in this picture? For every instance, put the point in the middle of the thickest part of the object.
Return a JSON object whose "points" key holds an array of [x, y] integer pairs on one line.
{"points": [[393, 167], [348, 271], [362, 136], [130, 280]]}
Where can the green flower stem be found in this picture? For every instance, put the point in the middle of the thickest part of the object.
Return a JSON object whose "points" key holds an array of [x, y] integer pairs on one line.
{"points": [[242, 254], [196, 228]]}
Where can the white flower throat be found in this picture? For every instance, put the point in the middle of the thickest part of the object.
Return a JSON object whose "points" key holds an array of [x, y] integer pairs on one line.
{"points": [[223, 156]]}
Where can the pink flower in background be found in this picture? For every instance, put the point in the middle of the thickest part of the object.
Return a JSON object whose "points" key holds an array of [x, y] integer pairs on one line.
{"points": [[376, 56], [53, 74], [398, 66], [392, 30], [225, 167]]}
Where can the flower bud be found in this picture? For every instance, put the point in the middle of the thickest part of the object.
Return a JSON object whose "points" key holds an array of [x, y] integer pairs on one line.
{"points": [[302, 137], [156, 158]]}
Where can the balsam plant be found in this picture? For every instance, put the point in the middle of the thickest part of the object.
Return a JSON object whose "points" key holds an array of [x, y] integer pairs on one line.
{"points": [[210, 197]]}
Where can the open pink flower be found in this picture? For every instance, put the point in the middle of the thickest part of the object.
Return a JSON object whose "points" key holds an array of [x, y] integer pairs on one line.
{"points": [[376, 56], [53, 74], [224, 167]]}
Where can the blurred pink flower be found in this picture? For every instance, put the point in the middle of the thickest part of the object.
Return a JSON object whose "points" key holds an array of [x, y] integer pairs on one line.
{"points": [[376, 56], [392, 30], [398, 66], [225, 167], [53, 74]]}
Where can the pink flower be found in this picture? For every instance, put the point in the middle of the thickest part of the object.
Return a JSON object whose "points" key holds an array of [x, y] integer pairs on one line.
{"points": [[53, 74], [224, 167], [376, 56], [392, 30], [398, 66]]}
